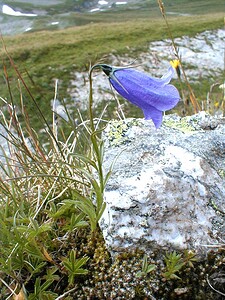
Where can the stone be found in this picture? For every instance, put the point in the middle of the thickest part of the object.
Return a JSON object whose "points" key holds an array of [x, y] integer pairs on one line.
{"points": [[167, 187]]}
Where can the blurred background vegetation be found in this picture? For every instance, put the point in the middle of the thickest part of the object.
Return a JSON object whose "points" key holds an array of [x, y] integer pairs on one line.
{"points": [[54, 52]]}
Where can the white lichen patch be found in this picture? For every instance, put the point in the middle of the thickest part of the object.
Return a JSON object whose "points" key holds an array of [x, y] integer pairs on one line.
{"points": [[221, 173], [117, 131], [181, 124]]}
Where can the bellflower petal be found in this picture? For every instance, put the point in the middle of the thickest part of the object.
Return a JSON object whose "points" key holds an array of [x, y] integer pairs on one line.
{"points": [[154, 114], [152, 95]]}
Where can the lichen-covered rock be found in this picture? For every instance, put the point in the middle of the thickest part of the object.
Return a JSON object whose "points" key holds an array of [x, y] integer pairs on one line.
{"points": [[167, 188]]}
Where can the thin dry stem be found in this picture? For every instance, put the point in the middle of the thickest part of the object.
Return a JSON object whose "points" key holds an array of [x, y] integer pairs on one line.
{"points": [[66, 293], [8, 287], [218, 292], [191, 93]]}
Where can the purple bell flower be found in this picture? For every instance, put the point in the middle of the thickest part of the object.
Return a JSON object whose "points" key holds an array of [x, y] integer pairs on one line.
{"points": [[152, 95]]}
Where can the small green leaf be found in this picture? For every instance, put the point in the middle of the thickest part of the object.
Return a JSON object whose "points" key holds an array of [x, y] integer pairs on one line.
{"points": [[74, 265], [174, 263], [146, 268]]}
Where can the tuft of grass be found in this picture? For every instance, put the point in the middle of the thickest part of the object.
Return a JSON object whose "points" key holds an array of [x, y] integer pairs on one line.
{"points": [[50, 193]]}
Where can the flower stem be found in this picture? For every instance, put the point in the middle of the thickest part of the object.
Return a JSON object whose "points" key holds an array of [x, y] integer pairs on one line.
{"points": [[191, 93]]}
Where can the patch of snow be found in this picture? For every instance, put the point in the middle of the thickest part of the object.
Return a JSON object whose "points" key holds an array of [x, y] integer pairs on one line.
{"points": [[55, 23], [94, 9], [7, 10], [102, 2], [119, 3]]}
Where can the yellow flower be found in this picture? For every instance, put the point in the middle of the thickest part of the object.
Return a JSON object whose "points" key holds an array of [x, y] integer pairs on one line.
{"points": [[175, 63]]}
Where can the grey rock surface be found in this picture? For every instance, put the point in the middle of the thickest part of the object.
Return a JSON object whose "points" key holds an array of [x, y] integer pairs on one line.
{"points": [[167, 188]]}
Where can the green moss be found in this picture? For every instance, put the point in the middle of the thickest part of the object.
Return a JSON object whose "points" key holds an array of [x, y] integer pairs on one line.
{"points": [[119, 279]]}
